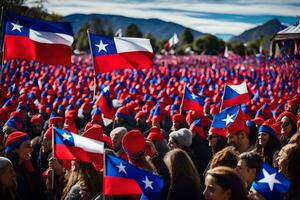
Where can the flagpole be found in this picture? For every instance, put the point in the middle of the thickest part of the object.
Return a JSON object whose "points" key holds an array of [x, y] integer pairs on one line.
{"points": [[91, 50], [53, 156], [223, 98], [182, 99], [104, 171]]}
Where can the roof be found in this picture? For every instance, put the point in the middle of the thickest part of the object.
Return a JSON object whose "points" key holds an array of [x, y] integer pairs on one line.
{"points": [[289, 33]]}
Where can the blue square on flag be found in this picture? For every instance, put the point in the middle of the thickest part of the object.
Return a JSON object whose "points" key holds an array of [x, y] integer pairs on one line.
{"points": [[102, 45], [225, 117]]}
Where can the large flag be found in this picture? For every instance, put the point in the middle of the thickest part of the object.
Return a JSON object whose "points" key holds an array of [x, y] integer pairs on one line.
{"points": [[70, 146], [172, 41], [191, 101], [105, 104], [223, 119], [43, 41], [270, 183], [235, 95], [122, 178], [111, 53]]}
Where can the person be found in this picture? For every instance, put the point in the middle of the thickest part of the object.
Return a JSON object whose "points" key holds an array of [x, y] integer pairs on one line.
{"points": [[282, 158], [18, 150], [116, 136], [267, 143], [216, 141], [288, 124], [293, 173], [184, 178], [180, 139], [223, 183], [226, 157], [71, 190], [8, 180], [248, 166]]}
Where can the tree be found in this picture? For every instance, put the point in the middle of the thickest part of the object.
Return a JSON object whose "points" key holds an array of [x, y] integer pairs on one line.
{"points": [[237, 47], [153, 42], [96, 26], [187, 36], [210, 44], [133, 31], [81, 40]]}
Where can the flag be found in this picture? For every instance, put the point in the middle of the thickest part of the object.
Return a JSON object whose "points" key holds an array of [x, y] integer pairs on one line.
{"points": [[43, 41], [122, 178], [226, 51], [70, 146], [235, 95], [270, 183], [105, 104], [119, 33], [111, 53], [191, 101], [223, 119], [172, 41]]}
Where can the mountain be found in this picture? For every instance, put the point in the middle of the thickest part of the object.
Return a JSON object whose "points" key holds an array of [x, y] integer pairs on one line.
{"points": [[158, 28], [267, 29]]}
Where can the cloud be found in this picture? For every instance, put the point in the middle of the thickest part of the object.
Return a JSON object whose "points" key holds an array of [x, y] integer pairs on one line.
{"points": [[187, 13]]}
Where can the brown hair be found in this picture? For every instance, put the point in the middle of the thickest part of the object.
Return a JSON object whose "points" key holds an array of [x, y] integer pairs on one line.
{"points": [[72, 178], [225, 157], [181, 165], [293, 171], [228, 179]]}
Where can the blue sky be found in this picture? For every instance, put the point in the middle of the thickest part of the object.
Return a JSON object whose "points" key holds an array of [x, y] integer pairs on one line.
{"points": [[221, 17]]}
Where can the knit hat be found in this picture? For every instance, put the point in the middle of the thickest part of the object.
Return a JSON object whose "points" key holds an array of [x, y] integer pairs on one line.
{"points": [[36, 119], [15, 139], [183, 137], [288, 114], [178, 118], [96, 133], [155, 134], [267, 128], [134, 143]]}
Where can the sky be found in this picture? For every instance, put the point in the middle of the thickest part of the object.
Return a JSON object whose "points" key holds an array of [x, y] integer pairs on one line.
{"points": [[220, 17]]}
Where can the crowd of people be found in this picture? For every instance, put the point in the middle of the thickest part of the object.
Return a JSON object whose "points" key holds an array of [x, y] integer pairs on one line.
{"points": [[254, 158]]}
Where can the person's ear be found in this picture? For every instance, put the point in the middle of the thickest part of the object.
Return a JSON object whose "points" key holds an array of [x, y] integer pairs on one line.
{"points": [[227, 194]]}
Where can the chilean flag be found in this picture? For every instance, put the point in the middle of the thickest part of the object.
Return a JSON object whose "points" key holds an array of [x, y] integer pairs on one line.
{"points": [[69, 146], [123, 178], [235, 95], [43, 41], [111, 53], [191, 101]]}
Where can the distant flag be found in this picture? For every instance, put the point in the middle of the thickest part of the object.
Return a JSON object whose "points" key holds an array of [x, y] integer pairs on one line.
{"points": [[123, 178], [270, 183], [226, 51], [43, 41], [191, 101], [105, 104], [235, 95], [260, 49], [119, 33], [172, 41], [70, 146], [111, 53]]}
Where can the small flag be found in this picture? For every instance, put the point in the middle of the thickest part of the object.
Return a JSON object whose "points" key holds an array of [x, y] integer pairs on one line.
{"points": [[235, 95], [172, 41], [191, 101]]}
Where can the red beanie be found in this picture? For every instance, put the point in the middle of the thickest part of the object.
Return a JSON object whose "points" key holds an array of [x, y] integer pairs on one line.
{"points": [[134, 143], [14, 139]]}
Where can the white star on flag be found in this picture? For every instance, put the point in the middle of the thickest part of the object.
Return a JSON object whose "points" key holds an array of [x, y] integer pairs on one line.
{"points": [[148, 183], [229, 119], [16, 26], [269, 179], [193, 96], [66, 136], [101, 46], [121, 168]]}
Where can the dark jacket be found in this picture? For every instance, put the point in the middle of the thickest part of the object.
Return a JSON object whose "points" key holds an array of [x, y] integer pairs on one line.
{"points": [[184, 189]]}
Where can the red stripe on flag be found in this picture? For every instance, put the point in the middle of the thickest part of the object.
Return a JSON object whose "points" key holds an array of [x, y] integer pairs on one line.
{"points": [[119, 186], [74, 153], [131, 60], [243, 98], [24, 48], [191, 105]]}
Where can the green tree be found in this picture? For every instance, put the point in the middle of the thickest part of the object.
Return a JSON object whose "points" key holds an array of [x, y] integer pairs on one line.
{"points": [[96, 26], [210, 44], [81, 39], [187, 36], [153, 42], [133, 31], [237, 47]]}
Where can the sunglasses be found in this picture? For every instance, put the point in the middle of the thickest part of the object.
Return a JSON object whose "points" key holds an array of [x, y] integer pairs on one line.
{"points": [[209, 137], [284, 124]]}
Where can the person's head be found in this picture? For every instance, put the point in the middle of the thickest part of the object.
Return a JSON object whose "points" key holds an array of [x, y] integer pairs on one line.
{"points": [[7, 174], [178, 121], [116, 136], [180, 139], [36, 124], [223, 183], [282, 158], [216, 142], [293, 160], [181, 165], [225, 157], [18, 147], [248, 166], [254, 195], [239, 141], [288, 124], [47, 141]]}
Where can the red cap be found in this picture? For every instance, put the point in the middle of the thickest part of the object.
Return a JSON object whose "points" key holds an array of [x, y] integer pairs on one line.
{"points": [[36, 119], [55, 120], [288, 114], [134, 143], [239, 124], [48, 133], [155, 134], [96, 133], [141, 114], [178, 118], [14, 139]]}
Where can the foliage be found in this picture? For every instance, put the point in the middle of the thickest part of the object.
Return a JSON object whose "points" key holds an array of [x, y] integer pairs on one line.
{"points": [[187, 36], [210, 44], [133, 31]]}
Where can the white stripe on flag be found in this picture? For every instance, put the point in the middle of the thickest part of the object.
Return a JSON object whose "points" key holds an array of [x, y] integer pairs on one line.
{"points": [[126, 44], [50, 37], [88, 144], [240, 89]]}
